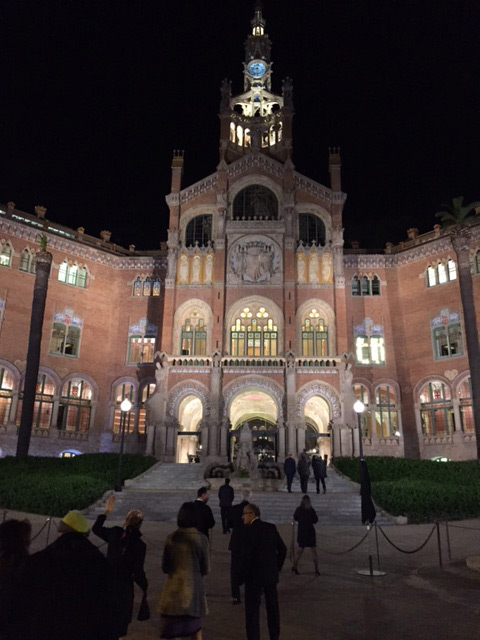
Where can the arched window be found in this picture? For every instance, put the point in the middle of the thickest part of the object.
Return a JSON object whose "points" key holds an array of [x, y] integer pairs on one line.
{"points": [[147, 391], [311, 229], [156, 287], [441, 273], [365, 286], [466, 408], [386, 415], [43, 407], [123, 392], [356, 291], [27, 261], [431, 276], [375, 286], [72, 274], [137, 287], [255, 201], [194, 338], [199, 229], [254, 336], [361, 393], [6, 254], [147, 287], [6, 394], [436, 409], [314, 335], [75, 406], [476, 265]]}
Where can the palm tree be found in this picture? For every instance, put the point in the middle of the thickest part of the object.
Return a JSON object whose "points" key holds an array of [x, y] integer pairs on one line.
{"points": [[43, 262], [456, 218]]}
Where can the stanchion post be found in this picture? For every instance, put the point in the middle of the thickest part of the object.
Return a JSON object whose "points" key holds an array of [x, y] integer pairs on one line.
{"points": [[448, 540], [48, 530], [378, 546], [439, 542]]}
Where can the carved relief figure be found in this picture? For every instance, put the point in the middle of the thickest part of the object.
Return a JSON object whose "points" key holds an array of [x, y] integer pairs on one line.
{"points": [[208, 269], [301, 268], [245, 446], [314, 269], [327, 268], [196, 269], [183, 270], [255, 261]]}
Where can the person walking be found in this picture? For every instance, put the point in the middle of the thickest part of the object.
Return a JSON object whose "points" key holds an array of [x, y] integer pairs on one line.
{"points": [[235, 523], [68, 588], [182, 601], [126, 554], [306, 518], [263, 553], [14, 543], [226, 495], [320, 472], [303, 468], [290, 468], [205, 520]]}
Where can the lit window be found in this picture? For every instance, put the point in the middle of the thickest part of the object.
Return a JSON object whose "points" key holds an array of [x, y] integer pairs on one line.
{"points": [[75, 406], [193, 338], [447, 335], [65, 340], [6, 255], [72, 274], [6, 395], [436, 409], [466, 407], [314, 335], [441, 273], [43, 407], [257, 338], [123, 392], [386, 415], [27, 262], [141, 349], [147, 391], [370, 350], [361, 393]]}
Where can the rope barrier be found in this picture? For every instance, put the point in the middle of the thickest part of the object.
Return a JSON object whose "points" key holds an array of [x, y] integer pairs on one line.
{"points": [[39, 532], [340, 553], [404, 550], [459, 526]]}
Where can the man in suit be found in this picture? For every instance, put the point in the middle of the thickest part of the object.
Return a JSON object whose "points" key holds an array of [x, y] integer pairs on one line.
{"points": [[264, 553], [289, 468], [205, 519], [235, 523], [226, 495]]}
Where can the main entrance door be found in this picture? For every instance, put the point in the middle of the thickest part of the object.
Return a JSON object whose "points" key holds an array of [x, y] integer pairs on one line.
{"points": [[317, 417], [264, 439], [190, 413]]}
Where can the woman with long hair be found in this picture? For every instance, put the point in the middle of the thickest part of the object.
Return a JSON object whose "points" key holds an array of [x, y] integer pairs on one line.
{"points": [[185, 558], [306, 518], [126, 553]]}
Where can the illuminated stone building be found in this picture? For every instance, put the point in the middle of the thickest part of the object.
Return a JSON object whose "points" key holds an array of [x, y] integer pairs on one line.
{"points": [[253, 311]]}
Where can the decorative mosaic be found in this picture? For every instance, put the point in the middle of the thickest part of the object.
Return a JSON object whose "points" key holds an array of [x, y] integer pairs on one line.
{"points": [[67, 317], [142, 327], [368, 328], [444, 318], [315, 390], [189, 387]]}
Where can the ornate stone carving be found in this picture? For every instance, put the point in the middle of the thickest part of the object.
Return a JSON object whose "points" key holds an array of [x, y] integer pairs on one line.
{"points": [[254, 261]]}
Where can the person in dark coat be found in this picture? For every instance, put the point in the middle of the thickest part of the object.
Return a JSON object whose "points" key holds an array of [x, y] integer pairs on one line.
{"points": [[68, 589], [126, 554], [235, 523], [306, 518], [263, 553], [303, 468], [290, 468], [205, 519], [320, 472], [14, 544], [226, 495]]}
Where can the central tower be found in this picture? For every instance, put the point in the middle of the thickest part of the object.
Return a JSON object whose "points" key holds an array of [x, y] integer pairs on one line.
{"points": [[257, 119]]}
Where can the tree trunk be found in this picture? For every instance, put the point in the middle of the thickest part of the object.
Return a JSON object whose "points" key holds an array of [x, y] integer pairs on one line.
{"points": [[43, 261], [460, 241]]}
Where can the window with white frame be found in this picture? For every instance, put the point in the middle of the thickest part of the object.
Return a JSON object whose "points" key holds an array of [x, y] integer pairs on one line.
{"points": [[6, 253], [27, 261], [66, 332], [436, 409], [75, 406], [72, 274], [446, 335], [369, 343], [141, 342], [441, 273]]}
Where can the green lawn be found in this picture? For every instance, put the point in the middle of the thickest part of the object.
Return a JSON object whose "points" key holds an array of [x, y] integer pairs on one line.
{"points": [[53, 486], [422, 490]]}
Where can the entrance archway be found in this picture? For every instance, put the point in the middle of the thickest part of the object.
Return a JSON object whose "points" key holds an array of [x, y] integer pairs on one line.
{"points": [[317, 418], [260, 411], [190, 413]]}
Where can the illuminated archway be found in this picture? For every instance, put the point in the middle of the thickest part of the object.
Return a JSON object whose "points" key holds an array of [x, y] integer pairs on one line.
{"points": [[190, 413]]}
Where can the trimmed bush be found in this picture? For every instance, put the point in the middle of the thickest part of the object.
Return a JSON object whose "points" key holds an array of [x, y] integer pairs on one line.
{"points": [[422, 490], [53, 486]]}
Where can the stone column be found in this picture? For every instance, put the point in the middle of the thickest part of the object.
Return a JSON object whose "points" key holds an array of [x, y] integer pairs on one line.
{"points": [[292, 440], [150, 429], [172, 433], [213, 440], [281, 442], [300, 438], [224, 439], [161, 440]]}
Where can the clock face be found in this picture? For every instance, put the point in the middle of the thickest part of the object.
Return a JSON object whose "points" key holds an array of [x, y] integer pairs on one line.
{"points": [[256, 69]]}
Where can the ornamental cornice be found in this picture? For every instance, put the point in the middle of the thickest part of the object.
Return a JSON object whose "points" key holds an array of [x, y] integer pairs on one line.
{"points": [[79, 250], [256, 160], [198, 188], [310, 186]]}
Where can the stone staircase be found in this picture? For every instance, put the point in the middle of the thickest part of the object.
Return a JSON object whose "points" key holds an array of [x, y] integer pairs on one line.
{"points": [[161, 490]]}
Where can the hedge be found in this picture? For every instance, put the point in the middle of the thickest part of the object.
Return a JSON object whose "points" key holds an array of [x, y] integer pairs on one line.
{"points": [[422, 490], [53, 486]]}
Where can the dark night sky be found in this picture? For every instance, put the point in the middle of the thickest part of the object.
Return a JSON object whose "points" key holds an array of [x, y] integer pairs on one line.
{"points": [[96, 94]]}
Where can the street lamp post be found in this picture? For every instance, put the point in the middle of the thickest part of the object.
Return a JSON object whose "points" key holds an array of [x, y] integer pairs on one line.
{"points": [[125, 407], [359, 408]]}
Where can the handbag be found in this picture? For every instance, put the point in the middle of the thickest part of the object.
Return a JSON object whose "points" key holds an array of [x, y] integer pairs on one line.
{"points": [[144, 611]]}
